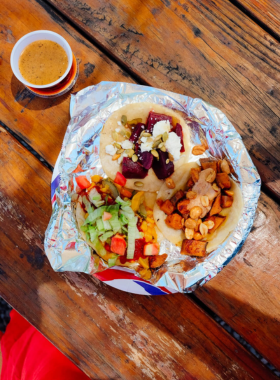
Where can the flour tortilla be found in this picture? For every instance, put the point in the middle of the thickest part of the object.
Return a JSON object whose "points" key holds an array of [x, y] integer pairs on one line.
{"points": [[176, 237], [134, 111]]}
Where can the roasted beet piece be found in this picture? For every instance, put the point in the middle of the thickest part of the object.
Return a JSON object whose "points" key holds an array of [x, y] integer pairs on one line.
{"points": [[154, 117], [132, 169], [145, 158], [179, 132], [161, 168], [136, 132]]}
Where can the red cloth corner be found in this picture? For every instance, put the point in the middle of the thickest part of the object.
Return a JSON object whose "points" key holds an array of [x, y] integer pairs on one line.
{"points": [[28, 355]]}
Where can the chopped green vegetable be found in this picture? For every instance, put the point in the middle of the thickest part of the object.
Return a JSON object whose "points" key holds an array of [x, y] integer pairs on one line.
{"points": [[123, 119], [97, 213], [113, 189], [95, 197], [100, 224], [106, 235], [112, 261]]}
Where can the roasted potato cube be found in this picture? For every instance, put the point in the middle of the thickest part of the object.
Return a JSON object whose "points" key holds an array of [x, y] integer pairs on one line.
{"points": [[216, 208], [167, 207], [159, 202], [174, 221], [226, 201], [223, 180], [182, 206], [179, 195], [209, 163], [193, 248], [195, 174], [157, 261], [190, 184], [218, 220]]}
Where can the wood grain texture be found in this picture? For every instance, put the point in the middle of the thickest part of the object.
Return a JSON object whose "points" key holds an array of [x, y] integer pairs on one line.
{"points": [[267, 12], [108, 333], [200, 48], [42, 122], [246, 293]]}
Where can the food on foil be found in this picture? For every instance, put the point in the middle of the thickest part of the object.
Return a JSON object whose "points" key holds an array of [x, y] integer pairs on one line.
{"points": [[198, 206], [118, 224], [146, 143]]}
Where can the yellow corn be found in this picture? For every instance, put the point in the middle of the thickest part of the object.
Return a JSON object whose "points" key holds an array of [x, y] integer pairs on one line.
{"points": [[149, 220], [91, 186], [96, 178], [137, 200], [150, 213], [148, 237], [144, 262], [146, 274], [144, 226], [86, 215]]}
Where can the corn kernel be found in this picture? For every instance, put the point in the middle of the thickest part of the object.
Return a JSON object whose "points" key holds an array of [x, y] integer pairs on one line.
{"points": [[150, 213], [144, 262], [144, 226], [148, 237], [149, 220], [96, 178], [86, 215]]}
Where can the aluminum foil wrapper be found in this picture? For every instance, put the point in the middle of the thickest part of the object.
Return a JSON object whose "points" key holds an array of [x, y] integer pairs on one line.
{"points": [[90, 108]]}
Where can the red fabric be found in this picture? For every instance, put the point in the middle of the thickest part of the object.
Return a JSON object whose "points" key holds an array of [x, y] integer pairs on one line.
{"points": [[27, 355]]}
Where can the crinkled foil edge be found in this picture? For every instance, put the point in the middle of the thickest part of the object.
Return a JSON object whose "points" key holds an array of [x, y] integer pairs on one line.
{"points": [[90, 108]]}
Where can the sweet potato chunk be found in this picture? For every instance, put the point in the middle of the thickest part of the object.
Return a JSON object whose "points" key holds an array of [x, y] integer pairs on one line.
{"points": [[167, 207], [174, 221], [179, 195], [226, 201], [182, 206], [193, 248], [209, 163], [218, 220], [157, 261], [223, 181], [190, 184], [195, 174], [216, 208]]}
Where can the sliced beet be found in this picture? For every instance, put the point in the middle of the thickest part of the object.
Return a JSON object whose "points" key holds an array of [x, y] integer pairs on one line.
{"points": [[179, 132], [136, 131], [161, 168], [146, 159], [132, 169], [154, 117]]}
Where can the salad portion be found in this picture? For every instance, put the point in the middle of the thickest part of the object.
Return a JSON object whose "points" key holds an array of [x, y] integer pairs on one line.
{"points": [[117, 223]]}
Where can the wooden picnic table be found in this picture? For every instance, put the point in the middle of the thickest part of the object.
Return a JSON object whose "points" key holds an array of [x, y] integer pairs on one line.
{"points": [[225, 52]]}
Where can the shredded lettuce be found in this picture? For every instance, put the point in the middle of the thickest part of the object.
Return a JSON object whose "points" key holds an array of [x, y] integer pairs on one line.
{"points": [[106, 235], [112, 261], [87, 204], [100, 224], [131, 236], [95, 197], [107, 225], [95, 214], [123, 203]]}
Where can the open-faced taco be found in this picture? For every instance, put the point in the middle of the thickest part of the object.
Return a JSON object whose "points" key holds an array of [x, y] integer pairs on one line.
{"points": [[199, 206], [145, 142], [118, 224]]}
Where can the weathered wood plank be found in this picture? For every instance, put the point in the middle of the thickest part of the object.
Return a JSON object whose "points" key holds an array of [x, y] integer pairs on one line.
{"points": [[267, 12], [42, 122], [199, 48], [109, 334], [246, 293]]}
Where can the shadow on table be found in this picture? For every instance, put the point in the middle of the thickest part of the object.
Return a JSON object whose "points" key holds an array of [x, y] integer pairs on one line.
{"points": [[30, 101]]}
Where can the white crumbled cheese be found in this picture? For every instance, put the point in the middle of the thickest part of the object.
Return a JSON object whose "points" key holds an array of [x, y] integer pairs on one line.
{"points": [[110, 149], [126, 144], [119, 123], [147, 145], [120, 159], [160, 127], [117, 130], [143, 139], [173, 145]]}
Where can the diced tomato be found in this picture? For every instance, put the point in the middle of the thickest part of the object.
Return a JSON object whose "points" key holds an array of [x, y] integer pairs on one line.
{"points": [[139, 251], [106, 216], [82, 182], [118, 245], [151, 249], [120, 179], [107, 247]]}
